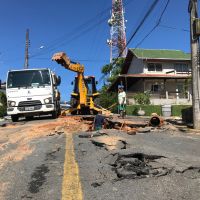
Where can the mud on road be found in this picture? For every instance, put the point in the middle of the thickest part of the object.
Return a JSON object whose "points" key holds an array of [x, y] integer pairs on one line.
{"points": [[128, 162], [32, 157]]}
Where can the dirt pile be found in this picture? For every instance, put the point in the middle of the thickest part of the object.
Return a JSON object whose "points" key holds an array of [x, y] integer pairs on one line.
{"points": [[20, 135]]}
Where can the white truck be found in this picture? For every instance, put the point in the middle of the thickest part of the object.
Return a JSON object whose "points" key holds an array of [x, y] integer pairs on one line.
{"points": [[32, 92]]}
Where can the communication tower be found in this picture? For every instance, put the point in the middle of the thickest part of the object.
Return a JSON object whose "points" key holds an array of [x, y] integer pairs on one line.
{"points": [[117, 41]]}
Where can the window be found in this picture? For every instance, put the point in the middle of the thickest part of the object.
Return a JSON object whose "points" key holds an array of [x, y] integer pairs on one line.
{"points": [[154, 67], [180, 67], [180, 87], [155, 88]]}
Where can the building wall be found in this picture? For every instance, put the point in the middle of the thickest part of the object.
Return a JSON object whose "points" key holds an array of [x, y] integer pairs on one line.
{"points": [[149, 83], [166, 67], [136, 66], [137, 87], [139, 66], [167, 90]]}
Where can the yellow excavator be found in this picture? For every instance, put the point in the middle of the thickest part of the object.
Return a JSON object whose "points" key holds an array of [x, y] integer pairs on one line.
{"points": [[85, 92]]}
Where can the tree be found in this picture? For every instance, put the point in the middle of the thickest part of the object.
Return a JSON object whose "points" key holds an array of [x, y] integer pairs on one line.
{"points": [[107, 99], [3, 103], [111, 72], [113, 69]]}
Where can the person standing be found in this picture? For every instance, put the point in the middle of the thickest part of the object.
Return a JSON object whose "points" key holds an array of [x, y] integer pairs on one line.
{"points": [[121, 100]]}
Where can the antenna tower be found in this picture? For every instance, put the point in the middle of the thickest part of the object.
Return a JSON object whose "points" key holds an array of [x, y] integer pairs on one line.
{"points": [[117, 41]]}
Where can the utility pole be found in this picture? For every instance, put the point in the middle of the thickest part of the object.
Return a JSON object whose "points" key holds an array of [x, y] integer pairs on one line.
{"points": [[194, 38], [26, 63]]}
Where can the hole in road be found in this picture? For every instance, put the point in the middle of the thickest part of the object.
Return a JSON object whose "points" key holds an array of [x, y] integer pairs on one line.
{"points": [[96, 184], [139, 165]]}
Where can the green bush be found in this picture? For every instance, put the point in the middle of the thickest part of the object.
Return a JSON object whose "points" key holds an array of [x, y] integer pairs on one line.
{"points": [[176, 109], [149, 109], [107, 99], [3, 102], [2, 111], [142, 98]]}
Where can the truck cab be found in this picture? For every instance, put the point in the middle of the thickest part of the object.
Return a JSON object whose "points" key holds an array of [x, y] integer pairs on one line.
{"points": [[32, 92]]}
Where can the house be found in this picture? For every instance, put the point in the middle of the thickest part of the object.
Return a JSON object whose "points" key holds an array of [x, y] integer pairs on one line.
{"points": [[166, 74]]}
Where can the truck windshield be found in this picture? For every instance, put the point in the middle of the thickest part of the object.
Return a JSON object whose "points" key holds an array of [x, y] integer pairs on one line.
{"points": [[30, 78]]}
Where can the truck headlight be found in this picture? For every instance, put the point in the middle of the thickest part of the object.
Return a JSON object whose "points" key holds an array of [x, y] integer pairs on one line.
{"points": [[48, 100], [11, 103]]}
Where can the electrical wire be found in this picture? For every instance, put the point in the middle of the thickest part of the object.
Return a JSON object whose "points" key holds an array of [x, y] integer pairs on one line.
{"points": [[153, 5], [74, 37], [157, 24], [173, 28], [147, 14], [140, 25], [86, 28], [76, 60]]}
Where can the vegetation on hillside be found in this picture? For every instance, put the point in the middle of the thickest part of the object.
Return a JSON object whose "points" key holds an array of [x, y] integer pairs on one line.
{"points": [[107, 99], [110, 73], [3, 103]]}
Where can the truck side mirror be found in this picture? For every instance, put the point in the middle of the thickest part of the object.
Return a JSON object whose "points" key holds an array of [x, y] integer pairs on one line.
{"points": [[72, 83], [58, 80], [97, 82]]}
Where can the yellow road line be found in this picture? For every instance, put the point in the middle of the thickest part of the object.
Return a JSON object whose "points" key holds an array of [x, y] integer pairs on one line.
{"points": [[71, 185]]}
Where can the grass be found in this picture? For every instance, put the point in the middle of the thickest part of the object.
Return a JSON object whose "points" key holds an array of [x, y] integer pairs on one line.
{"points": [[149, 109]]}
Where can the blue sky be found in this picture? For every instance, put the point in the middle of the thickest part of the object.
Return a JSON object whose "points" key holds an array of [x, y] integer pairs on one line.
{"points": [[79, 28]]}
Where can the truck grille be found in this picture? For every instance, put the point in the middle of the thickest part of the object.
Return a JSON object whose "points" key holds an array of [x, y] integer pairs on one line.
{"points": [[25, 105], [29, 103]]}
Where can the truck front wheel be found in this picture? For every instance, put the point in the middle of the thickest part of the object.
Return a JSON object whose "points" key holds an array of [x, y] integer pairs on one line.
{"points": [[54, 115], [14, 118]]}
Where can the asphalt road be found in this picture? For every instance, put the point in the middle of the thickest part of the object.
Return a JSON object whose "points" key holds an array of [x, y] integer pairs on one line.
{"points": [[40, 160], [169, 167], [39, 174]]}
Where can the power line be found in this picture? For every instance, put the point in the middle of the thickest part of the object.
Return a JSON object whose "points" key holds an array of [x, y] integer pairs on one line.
{"points": [[143, 20], [140, 25], [75, 36], [86, 27], [174, 28], [157, 24], [78, 60]]}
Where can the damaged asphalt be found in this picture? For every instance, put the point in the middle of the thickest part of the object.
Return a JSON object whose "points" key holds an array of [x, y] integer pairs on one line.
{"points": [[154, 163], [158, 165]]}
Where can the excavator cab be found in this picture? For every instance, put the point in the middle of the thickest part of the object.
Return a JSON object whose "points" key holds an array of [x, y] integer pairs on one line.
{"points": [[90, 85], [92, 93]]}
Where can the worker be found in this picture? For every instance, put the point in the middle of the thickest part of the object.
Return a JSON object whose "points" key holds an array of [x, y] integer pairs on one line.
{"points": [[99, 120], [121, 100]]}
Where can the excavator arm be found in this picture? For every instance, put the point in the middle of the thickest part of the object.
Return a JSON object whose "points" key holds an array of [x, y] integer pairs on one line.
{"points": [[62, 59]]}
